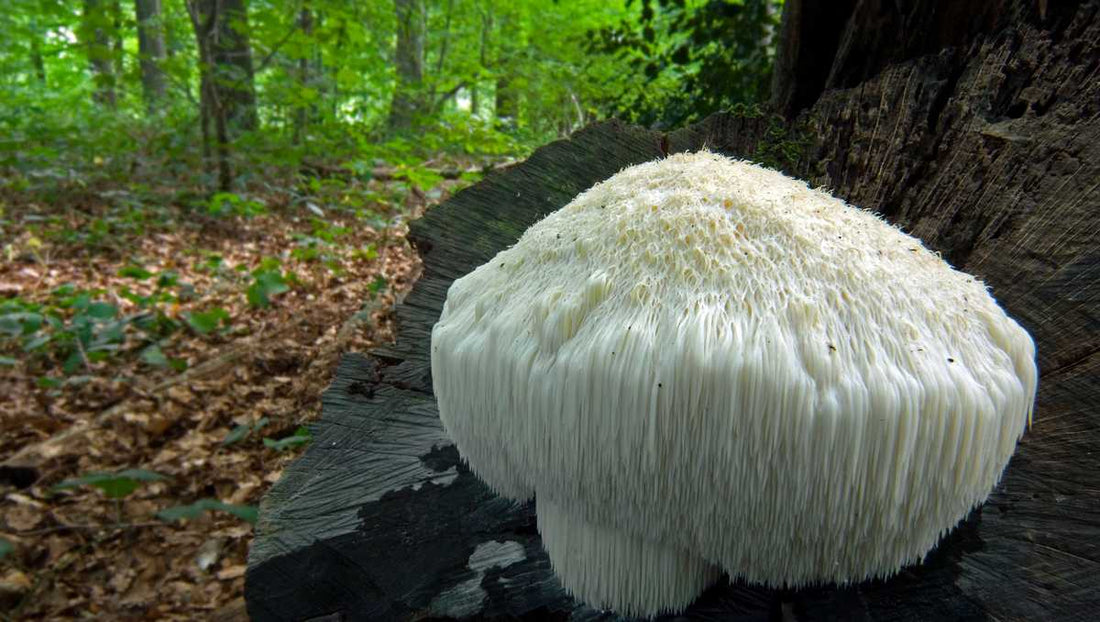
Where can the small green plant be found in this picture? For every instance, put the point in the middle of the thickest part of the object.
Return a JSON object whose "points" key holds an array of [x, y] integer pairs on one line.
{"points": [[230, 204], [115, 485], [301, 436], [268, 280], [205, 322], [247, 513], [243, 431]]}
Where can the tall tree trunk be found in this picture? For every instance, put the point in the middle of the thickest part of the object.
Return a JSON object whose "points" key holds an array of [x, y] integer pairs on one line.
{"points": [[408, 96], [507, 102], [95, 26], [37, 62], [232, 56], [205, 15], [151, 49], [302, 109], [486, 29]]}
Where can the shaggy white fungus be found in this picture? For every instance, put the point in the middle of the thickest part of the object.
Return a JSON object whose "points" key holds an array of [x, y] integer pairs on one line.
{"points": [[702, 365]]}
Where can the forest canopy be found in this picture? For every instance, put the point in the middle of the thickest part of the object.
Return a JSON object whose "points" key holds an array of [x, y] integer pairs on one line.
{"points": [[125, 86]]}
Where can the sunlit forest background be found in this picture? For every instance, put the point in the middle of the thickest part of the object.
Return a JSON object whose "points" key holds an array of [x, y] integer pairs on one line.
{"points": [[203, 204]]}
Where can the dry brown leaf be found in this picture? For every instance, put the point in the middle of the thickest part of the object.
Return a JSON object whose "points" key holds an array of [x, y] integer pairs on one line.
{"points": [[232, 572]]}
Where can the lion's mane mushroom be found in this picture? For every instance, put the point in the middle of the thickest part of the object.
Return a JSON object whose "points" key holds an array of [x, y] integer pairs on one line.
{"points": [[702, 365]]}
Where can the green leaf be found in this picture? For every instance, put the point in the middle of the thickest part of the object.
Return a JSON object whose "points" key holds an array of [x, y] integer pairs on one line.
{"points": [[36, 342], [238, 433], [154, 356], [101, 311], [72, 363], [301, 436], [114, 485], [22, 323], [204, 322], [244, 512], [167, 278], [377, 285], [7, 360], [45, 382], [135, 272], [266, 285], [6, 548]]}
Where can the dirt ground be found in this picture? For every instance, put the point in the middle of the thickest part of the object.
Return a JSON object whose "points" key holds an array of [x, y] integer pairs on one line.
{"points": [[211, 416]]}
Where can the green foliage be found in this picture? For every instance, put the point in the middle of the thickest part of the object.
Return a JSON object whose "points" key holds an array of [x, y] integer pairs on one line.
{"points": [[115, 485], [499, 77], [301, 436], [6, 548], [75, 329], [241, 432], [268, 280], [204, 322], [690, 59], [247, 513]]}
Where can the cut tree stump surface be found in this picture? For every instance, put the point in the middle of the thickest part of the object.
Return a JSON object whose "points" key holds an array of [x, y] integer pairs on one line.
{"points": [[989, 153]]}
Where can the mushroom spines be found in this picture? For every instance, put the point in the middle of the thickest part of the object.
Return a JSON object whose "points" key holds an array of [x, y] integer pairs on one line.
{"points": [[714, 358]]}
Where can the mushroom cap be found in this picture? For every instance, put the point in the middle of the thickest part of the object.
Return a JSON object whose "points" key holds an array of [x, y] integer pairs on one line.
{"points": [[707, 355]]}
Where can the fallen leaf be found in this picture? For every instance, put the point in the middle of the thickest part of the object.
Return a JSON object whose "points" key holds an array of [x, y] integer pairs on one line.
{"points": [[231, 572], [209, 554]]}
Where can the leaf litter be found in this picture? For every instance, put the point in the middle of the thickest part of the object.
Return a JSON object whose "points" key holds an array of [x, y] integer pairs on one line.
{"points": [[151, 451]]}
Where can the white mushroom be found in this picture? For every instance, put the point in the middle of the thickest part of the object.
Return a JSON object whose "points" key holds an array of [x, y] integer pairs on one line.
{"points": [[702, 365]]}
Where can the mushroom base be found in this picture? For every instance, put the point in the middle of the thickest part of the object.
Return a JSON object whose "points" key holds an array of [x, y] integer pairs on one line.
{"points": [[610, 569]]}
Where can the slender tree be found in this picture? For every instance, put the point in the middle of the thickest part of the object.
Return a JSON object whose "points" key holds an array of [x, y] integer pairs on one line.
{"points": [[232, 56], [408, 97], [152, 51], [302, 109], [95, 27]]}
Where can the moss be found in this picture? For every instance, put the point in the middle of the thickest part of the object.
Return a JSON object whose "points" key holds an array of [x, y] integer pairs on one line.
{"points": [[784, 145]]}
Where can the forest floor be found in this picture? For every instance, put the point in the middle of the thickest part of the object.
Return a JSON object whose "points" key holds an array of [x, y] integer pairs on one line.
{"points": [[152, 363]]}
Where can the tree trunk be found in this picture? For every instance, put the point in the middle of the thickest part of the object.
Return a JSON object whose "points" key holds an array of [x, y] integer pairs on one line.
{"points": [[205, 17], [486, 12], [37, 62], [408, 95], [96, 26], [232, 55], [302, 109], [151, 49], [981, 136]]}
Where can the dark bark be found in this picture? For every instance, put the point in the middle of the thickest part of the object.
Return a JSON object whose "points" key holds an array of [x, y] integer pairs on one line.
{"points": [[214, 111], [232, 55], [151, 49], [987, 148], [507, 103], [37, 61], [486, 12], [408, 97], [96, 26], [302, 110]]}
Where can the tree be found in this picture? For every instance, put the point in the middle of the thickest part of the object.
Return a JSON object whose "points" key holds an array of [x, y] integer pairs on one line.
{"points": [[408, 95], [151, 49], [96, 29], [302, 109]]}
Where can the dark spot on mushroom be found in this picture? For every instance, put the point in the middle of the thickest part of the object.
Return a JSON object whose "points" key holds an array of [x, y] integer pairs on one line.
{"points": [[832, 348], [950, 360], [659, 385]]}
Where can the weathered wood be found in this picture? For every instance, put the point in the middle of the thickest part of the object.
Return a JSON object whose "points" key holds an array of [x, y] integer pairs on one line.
{"points": [[988, 150]]}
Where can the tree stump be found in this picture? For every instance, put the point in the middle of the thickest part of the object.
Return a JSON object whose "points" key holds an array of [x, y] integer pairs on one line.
{"points": [[987, 147]]}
